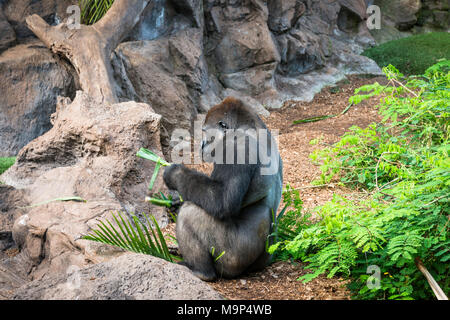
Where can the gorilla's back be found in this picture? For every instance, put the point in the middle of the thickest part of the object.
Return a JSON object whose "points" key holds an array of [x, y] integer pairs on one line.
{"points": [[259, 185]]}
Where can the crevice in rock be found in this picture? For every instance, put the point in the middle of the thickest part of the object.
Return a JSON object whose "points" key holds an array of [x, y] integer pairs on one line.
{"points": [[348, 21]]}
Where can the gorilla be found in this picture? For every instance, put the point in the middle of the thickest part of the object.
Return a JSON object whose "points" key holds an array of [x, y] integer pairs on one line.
{"points": [[226, 219]]}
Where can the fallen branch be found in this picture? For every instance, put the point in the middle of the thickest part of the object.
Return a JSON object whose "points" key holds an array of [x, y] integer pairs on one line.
{"points": [[63, 199], [378, 164], [440, 295], [318, 118]]}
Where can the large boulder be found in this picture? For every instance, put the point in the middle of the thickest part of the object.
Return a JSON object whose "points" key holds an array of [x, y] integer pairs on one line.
{"points": [[283, 14], [90, 153], [245, 45], [170, 74], [351, 14], [403, 13], [301, 52], [52, 11], [240, 48], [129, 277], [31, 78]]}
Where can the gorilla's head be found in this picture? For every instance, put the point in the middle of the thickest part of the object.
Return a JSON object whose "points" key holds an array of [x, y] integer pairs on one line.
{"points": [[229, 118]]}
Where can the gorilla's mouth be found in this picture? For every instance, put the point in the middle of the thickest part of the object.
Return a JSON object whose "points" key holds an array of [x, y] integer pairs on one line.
{"points": [[207, 150], [206, 143]]}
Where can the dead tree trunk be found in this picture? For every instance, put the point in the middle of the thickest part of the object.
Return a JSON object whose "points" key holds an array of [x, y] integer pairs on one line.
{"points": [[89, 48]]}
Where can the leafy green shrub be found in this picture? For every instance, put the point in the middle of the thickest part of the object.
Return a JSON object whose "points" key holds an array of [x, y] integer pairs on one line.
{"points": [[6, 163], [412, 55], [403, 164]]}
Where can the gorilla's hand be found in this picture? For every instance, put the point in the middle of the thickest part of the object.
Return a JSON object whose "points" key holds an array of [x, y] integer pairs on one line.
{"points": [[176, 201], [172, 176]]}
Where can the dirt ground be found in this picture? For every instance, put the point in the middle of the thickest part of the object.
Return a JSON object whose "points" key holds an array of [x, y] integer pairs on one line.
{"points": [[279, 280]]}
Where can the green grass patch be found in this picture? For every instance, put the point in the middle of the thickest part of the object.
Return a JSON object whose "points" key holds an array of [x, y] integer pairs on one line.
{"points": [[412, 55], [5, 163]]}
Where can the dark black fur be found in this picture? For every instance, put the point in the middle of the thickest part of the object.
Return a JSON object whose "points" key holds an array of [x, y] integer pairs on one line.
{"points": [[229, 211]]}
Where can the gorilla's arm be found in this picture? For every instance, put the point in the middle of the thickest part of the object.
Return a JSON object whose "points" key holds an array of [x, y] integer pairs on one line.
{"points": [[220, 195]]}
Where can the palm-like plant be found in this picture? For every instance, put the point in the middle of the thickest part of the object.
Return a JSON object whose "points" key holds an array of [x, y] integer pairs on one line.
{"points": [[93, 10], [138, 238]]}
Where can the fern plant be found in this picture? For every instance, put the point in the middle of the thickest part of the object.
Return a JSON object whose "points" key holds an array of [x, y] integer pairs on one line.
{"points": [[403, 247]]}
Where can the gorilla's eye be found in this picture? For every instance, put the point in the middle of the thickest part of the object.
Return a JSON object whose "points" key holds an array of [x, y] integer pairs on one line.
{"points": [[222, 125]]}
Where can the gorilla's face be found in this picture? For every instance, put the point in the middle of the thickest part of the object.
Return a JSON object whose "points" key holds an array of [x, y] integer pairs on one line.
{"points": [[223, 123], [212, 135]]}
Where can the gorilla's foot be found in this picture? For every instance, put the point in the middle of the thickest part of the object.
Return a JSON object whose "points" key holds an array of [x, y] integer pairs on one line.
{"points": [[210, 276], [205, 275]]}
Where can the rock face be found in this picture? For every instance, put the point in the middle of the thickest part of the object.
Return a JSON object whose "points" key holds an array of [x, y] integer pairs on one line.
{"points": [[434, 13], [89, 153], [170, 74], [7, 34], [10, 200], [266, 53], [31, 78], [129, 277], [319, 48]]}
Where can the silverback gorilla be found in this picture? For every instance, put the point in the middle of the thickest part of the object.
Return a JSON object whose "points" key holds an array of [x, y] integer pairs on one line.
{"points": [[231, 211]]}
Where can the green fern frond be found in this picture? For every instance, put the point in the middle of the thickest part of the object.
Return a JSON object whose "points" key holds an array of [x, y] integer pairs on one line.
{"points": [[404, 246], [335, 257], [367, 238]]}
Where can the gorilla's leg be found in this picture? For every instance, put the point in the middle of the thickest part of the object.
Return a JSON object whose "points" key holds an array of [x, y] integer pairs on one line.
{"points": [[242, 239], [192, 243]]}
